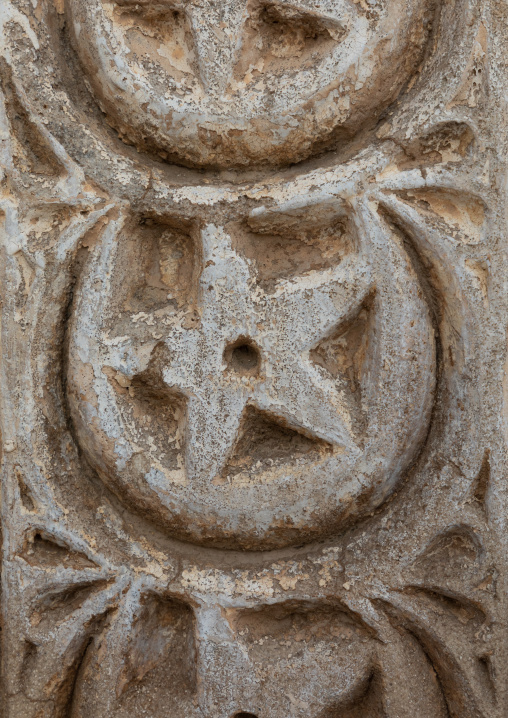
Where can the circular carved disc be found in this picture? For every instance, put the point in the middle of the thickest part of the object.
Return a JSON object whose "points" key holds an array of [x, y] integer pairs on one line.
{"points": [[250, 386], [237, 83]]}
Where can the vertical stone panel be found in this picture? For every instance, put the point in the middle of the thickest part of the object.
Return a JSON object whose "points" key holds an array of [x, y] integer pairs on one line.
{"points": [[253, 358]]}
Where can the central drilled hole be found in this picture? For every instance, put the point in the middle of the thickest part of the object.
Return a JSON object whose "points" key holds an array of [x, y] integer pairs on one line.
{"points": [[245, 715], [245, 358]]}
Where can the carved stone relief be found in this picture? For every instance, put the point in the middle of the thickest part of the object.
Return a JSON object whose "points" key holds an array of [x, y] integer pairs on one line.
{"points": [[253, 358]]}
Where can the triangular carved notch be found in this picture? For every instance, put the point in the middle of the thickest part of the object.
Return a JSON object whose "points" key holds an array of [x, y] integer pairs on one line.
{"points": [[45, 551], [266, 441]]}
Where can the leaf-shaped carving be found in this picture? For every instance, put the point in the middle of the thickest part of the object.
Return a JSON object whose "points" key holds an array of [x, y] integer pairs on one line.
{"points": [[448, 142], [461, 673], [44, 551], [33, 155], [144, 657], [459, 215], [453, 558]]}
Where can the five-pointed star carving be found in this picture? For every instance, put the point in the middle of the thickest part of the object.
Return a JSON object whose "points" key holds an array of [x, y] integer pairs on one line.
{"points": [[217, 28], [284, 325]]}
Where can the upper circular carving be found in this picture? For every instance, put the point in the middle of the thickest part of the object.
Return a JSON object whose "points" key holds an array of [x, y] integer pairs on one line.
{"points": [[235, 83]]}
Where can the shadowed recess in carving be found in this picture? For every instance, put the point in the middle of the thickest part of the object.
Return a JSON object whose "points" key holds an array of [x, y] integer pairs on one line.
{"points": [[53, 607], [451, 631], [266, 442], [243, 357], [459, 214], [29, 658], [32, 153], [288, 638], [450, 142], [70, 687], [44, 550], [152, 407], [455, 606], [278, 37], [25, 494], [150, 27], [164, 636], [154, 665], [456, 552], [343, 357], [488, 677], [482, 482], [279, 252], [164, 266]]}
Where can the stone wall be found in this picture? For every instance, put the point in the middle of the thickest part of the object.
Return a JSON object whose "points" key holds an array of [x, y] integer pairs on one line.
{"points": [[253, 269]]}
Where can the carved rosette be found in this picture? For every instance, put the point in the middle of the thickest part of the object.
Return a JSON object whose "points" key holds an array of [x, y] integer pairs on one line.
{"points": [[252, 453]]}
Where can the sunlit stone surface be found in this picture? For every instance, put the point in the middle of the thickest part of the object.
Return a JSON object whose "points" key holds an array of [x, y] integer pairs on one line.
{"points": [[253, 260]]}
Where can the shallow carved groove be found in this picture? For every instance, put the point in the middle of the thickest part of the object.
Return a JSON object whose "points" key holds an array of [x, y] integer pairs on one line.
{"points": [[457, 607], [25, 494], [55, 606], [29, 659], [32, 154], [77, 671], [482, 482]]}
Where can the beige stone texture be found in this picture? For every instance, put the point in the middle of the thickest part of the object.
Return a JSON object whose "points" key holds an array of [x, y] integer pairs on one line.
{"points": [[253, 373]]}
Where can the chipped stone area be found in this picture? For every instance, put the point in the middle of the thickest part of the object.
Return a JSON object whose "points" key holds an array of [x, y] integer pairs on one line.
{"points": [[253, 358]]}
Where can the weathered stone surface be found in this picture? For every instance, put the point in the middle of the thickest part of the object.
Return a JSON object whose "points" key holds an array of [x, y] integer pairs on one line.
{"points": [[253, 373], [238, 82]]}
